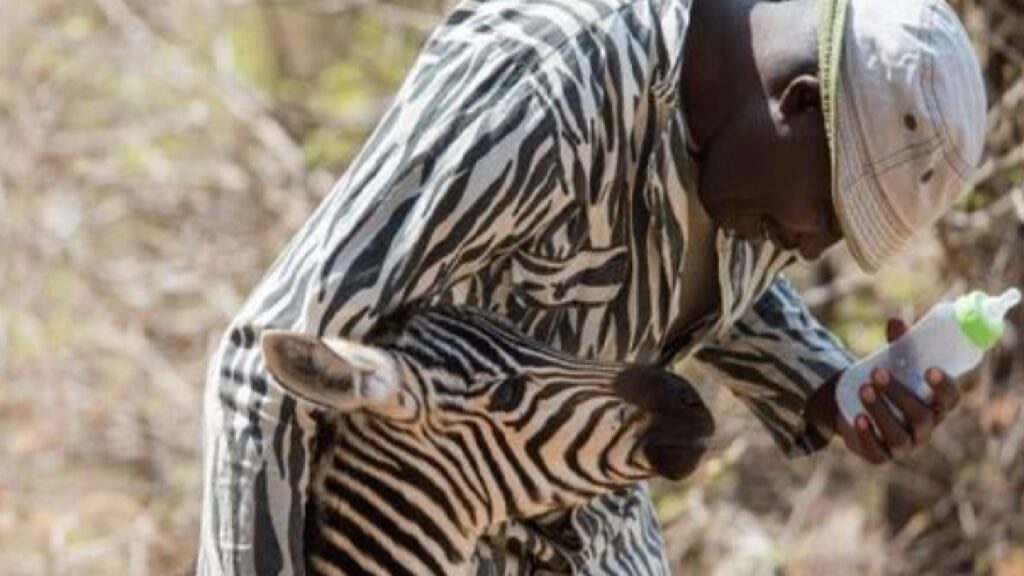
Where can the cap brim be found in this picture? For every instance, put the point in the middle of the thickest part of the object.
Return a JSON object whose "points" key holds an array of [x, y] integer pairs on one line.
{"points": [[831, 26], [865, 223]]}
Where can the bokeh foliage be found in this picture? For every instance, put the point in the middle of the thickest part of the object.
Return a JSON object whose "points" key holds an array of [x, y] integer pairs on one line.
{"points": [[155, 157]]}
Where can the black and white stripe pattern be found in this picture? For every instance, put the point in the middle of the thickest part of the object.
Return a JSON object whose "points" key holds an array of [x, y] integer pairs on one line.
{"points": [[534, 165], [453, 423]]}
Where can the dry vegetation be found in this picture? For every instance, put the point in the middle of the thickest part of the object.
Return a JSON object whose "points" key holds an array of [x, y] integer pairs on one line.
{"points": [[154, 157]]}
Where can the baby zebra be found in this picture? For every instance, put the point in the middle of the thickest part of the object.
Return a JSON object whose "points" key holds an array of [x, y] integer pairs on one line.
{"points": [[445, 421]]}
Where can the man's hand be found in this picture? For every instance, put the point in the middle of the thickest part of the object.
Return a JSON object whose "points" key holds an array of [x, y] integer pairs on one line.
{"points": [[895, 438]]}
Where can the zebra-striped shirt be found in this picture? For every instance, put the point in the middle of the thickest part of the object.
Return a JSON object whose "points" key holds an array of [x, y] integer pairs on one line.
{"points": [[534, 164]]}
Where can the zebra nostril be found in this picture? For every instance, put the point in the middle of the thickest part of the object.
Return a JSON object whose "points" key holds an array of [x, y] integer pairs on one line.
{"points": [[673, 458], [687, 396], [688, 400]]}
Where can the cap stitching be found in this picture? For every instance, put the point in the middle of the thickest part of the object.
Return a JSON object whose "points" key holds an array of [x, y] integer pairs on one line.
{"points": [[902, 156], [863, 159], [951, 154], [855, 139], [891, 231], [883, 165], [896, 227], [898, 157], [885, 199], [865, 167]]}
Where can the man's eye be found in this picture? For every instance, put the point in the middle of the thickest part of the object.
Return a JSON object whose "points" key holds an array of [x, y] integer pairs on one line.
{"points": [[507, 395]]}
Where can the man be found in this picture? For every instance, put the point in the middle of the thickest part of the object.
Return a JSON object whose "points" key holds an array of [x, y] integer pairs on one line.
{"points": [[624, 180]]}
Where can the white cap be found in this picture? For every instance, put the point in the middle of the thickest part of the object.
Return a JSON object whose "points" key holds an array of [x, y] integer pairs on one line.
{"points": [[905, 113]]}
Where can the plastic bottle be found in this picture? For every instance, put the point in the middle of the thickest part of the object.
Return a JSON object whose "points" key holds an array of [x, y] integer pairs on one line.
{"points": [[953, 336]]}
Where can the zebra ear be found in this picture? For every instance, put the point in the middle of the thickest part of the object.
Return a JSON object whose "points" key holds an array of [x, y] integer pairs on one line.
{"points": [[332, 373]]}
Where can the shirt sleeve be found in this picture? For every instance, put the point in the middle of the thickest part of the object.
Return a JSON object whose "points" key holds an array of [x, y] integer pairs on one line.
{"points": [[773, 359]]}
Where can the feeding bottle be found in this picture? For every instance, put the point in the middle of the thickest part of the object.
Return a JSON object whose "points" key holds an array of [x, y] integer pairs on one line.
{"points": [[953, 337]]}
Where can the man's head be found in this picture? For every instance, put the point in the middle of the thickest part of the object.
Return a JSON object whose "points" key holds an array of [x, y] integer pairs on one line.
{"points": [[873, 146]]}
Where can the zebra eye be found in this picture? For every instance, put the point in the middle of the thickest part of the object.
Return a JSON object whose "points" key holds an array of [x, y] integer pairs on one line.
{"points": [[507, 395]]}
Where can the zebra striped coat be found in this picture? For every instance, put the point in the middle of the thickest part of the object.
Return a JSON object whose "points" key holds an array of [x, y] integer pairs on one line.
{"points": [[448, 422], [533, 164]]}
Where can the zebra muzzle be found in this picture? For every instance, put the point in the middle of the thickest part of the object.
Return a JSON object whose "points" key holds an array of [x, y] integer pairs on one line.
{"points": [[672, 455], [680, 424]]}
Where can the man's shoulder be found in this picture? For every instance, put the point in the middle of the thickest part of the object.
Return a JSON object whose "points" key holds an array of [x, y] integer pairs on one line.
{"points": [[537, 30]]}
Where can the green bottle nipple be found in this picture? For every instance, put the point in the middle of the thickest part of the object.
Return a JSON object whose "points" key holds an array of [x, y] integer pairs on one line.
{"points": [[980, 316]]}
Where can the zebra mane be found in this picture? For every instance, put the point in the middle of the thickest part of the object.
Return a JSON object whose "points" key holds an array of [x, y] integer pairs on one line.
{"points": [[394, 323]]}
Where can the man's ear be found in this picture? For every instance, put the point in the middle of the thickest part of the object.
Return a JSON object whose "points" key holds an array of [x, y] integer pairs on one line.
{"points": [[335, 374], [801, 94]]}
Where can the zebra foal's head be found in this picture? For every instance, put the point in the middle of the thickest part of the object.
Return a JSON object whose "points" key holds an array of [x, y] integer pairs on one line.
{"points": [[543, 430]]}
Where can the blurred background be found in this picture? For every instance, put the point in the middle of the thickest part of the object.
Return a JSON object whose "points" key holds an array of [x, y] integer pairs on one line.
{"points": [[155, 157]]}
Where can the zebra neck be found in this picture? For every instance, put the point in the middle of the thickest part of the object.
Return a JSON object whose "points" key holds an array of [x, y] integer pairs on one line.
{"points": [[384, 504]]}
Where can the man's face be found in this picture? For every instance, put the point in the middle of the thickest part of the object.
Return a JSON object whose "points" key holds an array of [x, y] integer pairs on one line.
{"points": [[762, 178]]}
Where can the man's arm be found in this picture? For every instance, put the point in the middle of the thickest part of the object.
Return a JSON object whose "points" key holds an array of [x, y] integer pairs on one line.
{"points": [[773, 359]]}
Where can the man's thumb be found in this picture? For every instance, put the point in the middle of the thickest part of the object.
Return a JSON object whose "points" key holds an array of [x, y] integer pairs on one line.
{"points": [[895, 328]]}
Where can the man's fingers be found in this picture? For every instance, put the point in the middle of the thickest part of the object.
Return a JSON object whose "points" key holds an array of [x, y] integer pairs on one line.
{"points": [[895, 328], [918, 418], [894, 436], [946, 396], [868, 446], [901, 420]]}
